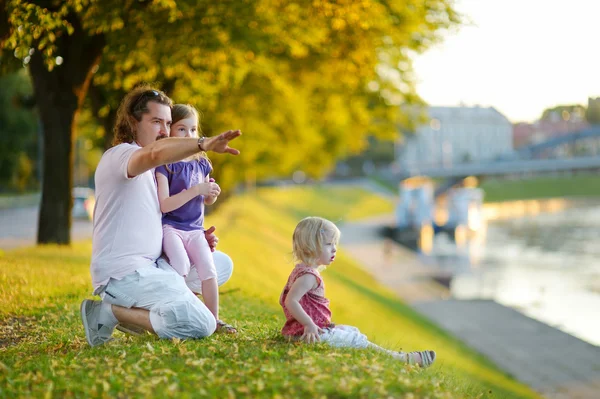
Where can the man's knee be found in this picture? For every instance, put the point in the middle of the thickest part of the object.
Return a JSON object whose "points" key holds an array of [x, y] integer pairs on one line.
{"points": [[224, 267], [184, 319]]}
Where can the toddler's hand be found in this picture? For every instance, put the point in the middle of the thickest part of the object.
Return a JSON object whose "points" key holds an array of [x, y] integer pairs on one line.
{"points": [[311, 334], [211, 180], [208, 189]]}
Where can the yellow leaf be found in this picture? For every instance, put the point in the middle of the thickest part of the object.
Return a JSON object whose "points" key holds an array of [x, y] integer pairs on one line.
{"points": [[260, 385], [243, 389], [49, 389], [173, 387]]}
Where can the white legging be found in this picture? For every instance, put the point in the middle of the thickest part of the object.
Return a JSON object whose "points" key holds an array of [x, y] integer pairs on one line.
{"points": [[342, 336], [223, 264]]}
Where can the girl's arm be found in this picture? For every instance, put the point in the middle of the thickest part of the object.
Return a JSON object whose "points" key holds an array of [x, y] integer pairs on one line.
{"points": [[170, 203], [210, 199], [301, 286]]}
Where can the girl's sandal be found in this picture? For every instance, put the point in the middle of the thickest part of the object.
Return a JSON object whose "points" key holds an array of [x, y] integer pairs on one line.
{"points": [[226, 328]]}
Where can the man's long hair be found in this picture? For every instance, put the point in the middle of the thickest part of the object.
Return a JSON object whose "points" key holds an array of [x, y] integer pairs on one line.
{"points": [[131, 110]]}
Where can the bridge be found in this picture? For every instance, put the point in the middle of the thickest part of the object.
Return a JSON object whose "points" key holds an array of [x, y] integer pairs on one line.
{"points": [[525, 159], [508, 167], [585, 136]]}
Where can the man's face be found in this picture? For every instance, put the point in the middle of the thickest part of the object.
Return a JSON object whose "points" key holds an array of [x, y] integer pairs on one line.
{"points": [[154, 125]]}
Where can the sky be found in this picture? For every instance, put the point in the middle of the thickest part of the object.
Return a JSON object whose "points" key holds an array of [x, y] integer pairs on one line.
{"points": [[519, 56]]}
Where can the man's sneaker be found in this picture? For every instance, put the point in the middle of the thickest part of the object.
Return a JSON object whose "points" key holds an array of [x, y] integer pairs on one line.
{"points": [[95, 333], [131, 329]]}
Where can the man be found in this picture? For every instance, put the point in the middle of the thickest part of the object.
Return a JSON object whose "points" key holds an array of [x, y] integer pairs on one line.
{"points": [[127, 236]]}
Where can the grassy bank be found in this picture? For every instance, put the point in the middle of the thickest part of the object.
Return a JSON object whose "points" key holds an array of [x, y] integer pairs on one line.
{"points": [[541, 187], [43, 350], [583, 185]]}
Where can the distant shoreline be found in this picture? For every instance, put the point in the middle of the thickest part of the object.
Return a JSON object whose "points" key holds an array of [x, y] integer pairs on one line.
{"points": [[585, 186], [503, 210]]}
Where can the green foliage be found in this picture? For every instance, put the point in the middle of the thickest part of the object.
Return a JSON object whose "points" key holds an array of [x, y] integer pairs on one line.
{"points": [[23, 172], [307, 82], [43, 350], [89, 146], [565, 112], [18, 133], [377, 154], [592, 113]]}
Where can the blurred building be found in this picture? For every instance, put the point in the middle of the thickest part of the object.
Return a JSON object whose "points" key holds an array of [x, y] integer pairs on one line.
{"points": [[455, 135]]}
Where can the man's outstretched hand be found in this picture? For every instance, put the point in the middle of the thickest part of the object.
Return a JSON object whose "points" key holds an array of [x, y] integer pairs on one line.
{"points": [[220, 143], [211, 238]]}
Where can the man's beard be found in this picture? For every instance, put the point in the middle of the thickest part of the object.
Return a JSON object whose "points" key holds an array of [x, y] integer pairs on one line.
{"points": [[161, 137]]}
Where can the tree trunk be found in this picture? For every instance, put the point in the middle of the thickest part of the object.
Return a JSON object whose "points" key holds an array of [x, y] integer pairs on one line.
{"points": [[59, 94], [4, 25]]}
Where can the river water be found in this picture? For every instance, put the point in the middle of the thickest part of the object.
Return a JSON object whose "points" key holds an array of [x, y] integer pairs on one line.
{"points": [[546, 266]]}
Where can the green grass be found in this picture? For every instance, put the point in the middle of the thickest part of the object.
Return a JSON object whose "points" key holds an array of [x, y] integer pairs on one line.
{"points": [[385, 184], [541, 187], [43, 352]]}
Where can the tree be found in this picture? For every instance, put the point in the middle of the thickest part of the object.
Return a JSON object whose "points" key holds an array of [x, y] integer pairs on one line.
{"points": [[314, 86], [312, 76], [60, 52], [564, 112], [592, 113]]}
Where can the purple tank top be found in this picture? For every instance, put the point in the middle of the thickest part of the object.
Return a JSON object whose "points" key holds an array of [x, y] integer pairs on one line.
{"points": [[183, 175]]}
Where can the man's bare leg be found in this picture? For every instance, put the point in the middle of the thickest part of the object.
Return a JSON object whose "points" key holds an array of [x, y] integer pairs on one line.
{"points": [[136, 316]]}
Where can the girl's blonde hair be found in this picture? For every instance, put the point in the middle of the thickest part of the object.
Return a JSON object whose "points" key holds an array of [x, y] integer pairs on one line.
{"points": [[310, 235], [184, 111]]}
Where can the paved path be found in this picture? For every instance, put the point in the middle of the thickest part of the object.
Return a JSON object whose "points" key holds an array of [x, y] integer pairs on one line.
{"points": [[392, 265], [550, 361], [18, 227]]}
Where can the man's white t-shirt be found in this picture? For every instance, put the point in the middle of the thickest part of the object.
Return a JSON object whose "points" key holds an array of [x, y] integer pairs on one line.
{"points": [[127, 219]]}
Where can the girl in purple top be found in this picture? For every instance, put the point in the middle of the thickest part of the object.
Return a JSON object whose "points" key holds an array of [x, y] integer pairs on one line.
{"points": [[307, 312], [183, 190]]}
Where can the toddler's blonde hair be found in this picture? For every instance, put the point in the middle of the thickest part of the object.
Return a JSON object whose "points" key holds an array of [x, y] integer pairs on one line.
{"points": [[310, 236]]}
